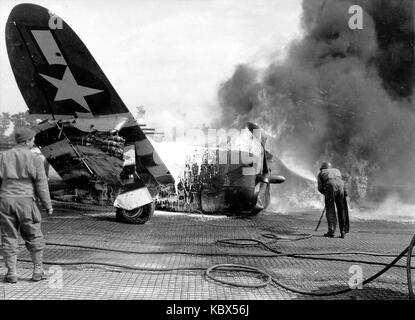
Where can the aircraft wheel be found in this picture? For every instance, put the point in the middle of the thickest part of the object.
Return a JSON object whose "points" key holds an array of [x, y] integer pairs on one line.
{"points": [[138, 215]]}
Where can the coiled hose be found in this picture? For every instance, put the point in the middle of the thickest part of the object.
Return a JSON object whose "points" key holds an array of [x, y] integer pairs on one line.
{"points": [[231, 267], [269, 279], [243, 268]]}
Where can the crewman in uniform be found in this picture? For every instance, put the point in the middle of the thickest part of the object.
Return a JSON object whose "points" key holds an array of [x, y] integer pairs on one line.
{"points": [[22, 180], [331, 185]]}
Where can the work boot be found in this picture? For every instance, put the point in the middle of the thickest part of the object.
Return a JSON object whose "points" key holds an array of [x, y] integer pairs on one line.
{"points": [[38, 272], [328, 235], [11, 262]]}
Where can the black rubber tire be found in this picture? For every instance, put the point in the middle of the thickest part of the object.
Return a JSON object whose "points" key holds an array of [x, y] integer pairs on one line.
{"points": [[138, 215]]}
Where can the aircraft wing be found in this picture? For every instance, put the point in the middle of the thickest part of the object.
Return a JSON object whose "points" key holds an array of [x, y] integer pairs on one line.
{"points": [[60, 81]]}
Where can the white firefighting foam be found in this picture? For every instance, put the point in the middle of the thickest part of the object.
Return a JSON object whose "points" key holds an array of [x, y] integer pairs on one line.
{"points": [[173, 155]]}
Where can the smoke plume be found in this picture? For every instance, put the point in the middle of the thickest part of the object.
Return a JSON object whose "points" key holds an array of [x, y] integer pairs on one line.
{"points": [[343, 95]]}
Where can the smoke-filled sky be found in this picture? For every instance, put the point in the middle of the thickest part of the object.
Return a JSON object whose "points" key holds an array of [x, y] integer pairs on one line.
{"points": [[167, 55], [340, 94]]}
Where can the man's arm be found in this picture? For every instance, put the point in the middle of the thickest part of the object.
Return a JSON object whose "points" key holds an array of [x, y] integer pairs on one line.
{"points": [[41, 184]]}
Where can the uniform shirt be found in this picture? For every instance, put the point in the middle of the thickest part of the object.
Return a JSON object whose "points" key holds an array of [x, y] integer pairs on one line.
{"points": [[22, 174], [325, 175]]}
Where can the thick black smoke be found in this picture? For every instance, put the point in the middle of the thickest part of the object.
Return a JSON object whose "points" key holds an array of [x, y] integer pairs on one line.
{"points": [[341, 94]]}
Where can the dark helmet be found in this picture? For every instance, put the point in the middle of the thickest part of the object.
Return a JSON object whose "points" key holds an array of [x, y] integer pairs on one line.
{"points": [[22, 134], [325, 165]]}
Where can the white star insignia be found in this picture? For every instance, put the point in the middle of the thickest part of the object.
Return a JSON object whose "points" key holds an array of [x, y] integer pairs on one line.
{"points": [[69, 89]]}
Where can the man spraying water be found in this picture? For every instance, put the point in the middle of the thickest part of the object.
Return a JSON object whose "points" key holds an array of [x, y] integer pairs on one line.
{"points": [[331, 185]]}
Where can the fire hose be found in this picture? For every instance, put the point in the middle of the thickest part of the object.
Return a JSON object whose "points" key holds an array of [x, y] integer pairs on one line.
{"points": [[249, 269], [408, 268], [269, 278]]}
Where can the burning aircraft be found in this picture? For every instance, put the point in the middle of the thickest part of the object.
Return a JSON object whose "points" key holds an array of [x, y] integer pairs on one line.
{"points": [[87, 134], [232, 180], [91, 139]]}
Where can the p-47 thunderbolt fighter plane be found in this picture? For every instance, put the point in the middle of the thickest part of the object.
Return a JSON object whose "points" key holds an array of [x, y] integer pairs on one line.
{"points": [[231, 177], [87, 134], [235, 191], [91, 139]]}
